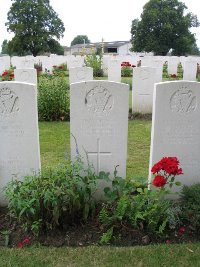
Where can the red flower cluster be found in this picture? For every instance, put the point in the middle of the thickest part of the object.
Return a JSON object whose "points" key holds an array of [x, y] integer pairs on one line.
{"points": [[170, 165], [7, 76], [182, 230], [25, 241], [173, 75], [126, 64], [159, 181], [60, 67], [5, 73]]}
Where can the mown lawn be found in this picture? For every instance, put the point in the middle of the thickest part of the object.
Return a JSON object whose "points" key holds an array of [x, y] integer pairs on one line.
{"points": [[147, 256], [55, 145]]}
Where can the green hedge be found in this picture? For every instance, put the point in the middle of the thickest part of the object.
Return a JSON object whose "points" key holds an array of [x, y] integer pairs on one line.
{"points": [[53, 99]]}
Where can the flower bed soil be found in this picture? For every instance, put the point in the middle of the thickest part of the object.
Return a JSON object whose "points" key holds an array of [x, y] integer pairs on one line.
{"points": [[87, 234]]}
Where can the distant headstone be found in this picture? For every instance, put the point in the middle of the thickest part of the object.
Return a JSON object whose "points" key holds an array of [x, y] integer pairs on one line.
{"points": [[99, 124], [26, 75], [4, 63], [114, 70], [80, 74], [143, 82], [158, 64], [105, 62], [173, 65], [27, 64], [190, 70], [176, 127], [75, 61], [19, 138]]}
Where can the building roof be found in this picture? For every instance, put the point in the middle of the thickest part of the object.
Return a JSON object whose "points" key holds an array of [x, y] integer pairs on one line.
{"points": [[105, 44]]}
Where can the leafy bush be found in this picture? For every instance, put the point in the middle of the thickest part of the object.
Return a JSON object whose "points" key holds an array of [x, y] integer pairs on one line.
{"points": [[8, 75], [190, 199], [139, 208], [60, 70], [126, 69], [165, 71], [136, 206], [95, 61], [56, 196], [53, 99]]}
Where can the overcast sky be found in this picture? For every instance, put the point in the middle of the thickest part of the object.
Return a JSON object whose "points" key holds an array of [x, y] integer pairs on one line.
{"points": [[107, 19]]}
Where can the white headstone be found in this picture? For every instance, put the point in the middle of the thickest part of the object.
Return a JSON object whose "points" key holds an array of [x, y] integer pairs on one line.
{"points": [[19, 138], [27, 63], [75, 61], [4, 63], [114, 70], [146, 61], [99, 124], [173, 64], [143, 82], [176, 127], [190, 70], [80, 74], [105, 62], [158, 64], [26, 75]]}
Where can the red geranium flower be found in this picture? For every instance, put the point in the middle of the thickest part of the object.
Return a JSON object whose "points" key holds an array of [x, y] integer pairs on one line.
{"points": [[12, 75], [159, 181], [5, 73], [182, 230], [20, 245], [168, 164], [26, 241]]}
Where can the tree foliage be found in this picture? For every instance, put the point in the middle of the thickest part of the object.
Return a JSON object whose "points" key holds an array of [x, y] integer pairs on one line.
{"points": [[80, 39], [4, 47], [35, 25], [164, 26]]}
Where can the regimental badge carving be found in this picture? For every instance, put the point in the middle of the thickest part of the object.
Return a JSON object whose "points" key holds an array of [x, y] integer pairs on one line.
{"points": [[81, 75], [144, 74], [9, 101], [183, 101], [25, 76], [99, 101]]}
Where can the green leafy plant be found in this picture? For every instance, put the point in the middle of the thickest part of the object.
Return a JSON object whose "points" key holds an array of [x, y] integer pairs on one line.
{"points": [[126, 69], [106, 237], [95, 61], [60, 70], [6, 235], [190, 199], [56, 196], [138, 207], [53, 99], [8, 75]]}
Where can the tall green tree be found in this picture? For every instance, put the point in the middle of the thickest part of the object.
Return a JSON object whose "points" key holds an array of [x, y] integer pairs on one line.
{"points": [[164, 26], [35, 25], [80, 39], [4, 47]]}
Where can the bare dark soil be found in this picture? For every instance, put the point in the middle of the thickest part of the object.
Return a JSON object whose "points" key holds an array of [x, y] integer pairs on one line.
{"points": [[85, 235]]}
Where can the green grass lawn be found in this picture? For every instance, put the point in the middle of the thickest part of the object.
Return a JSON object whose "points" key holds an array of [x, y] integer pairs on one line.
{"points": [[55, 145], [147, 256]]}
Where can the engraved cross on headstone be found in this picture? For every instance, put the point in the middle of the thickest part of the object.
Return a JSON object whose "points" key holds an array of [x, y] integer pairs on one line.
{"points": [[99, 153]]}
